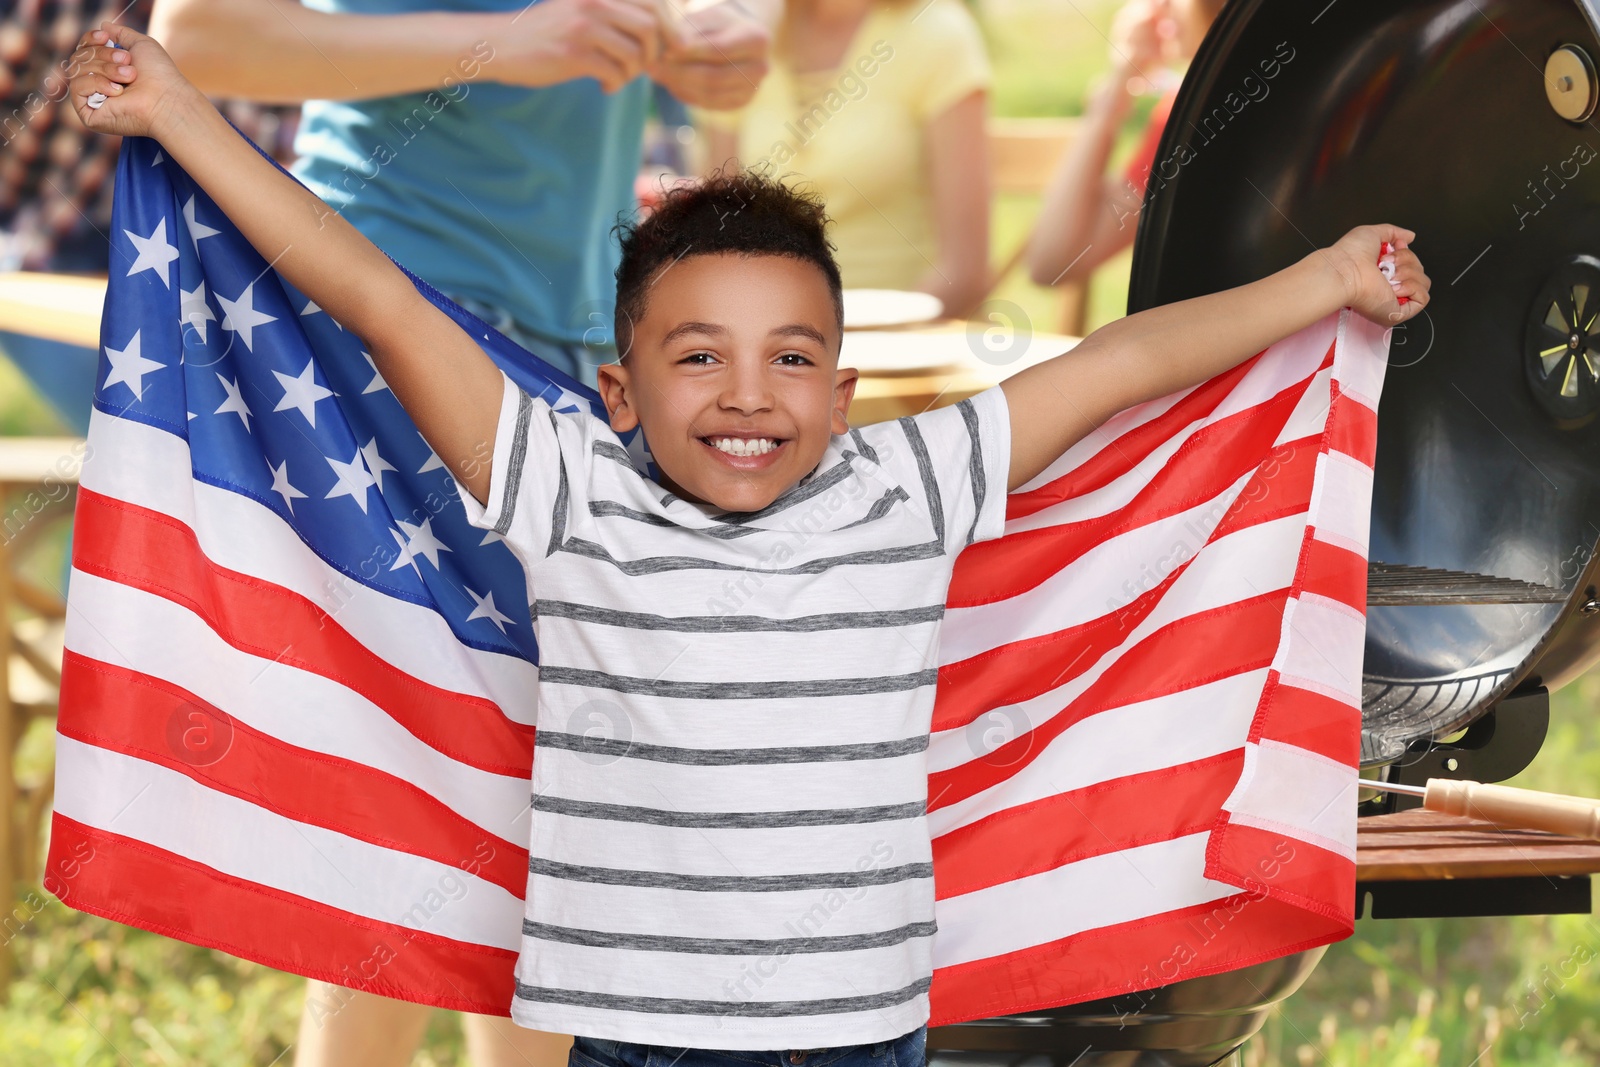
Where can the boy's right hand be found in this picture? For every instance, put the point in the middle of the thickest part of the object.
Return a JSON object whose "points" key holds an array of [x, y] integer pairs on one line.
{"points": [[140, 83]]}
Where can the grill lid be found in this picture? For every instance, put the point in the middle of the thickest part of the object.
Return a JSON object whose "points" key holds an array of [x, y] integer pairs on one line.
{"points": [[1297, 122]]}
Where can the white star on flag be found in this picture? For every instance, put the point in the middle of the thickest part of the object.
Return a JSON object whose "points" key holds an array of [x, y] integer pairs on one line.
{"points": [[235, 401], [375, 463], [311, 308], [129, 367], [377, 384], [197, 230], [485, 609], [354, 480], [154, 252], [434, 463], [489, 538], [156, 162], [301, 392], [415, 541], [281, 486], [241, 315], [193, 309]]}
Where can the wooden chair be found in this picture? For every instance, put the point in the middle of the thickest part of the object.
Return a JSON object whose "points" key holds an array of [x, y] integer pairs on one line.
{"points": [[1023, 156], [38, 484]]}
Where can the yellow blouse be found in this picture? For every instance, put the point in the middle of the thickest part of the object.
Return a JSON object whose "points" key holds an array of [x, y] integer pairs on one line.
{"points": [[856, 134]]}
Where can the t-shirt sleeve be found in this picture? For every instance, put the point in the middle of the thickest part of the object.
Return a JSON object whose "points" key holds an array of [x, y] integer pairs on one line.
{"points": [[952, 59], [966, 447], [527, 475]]}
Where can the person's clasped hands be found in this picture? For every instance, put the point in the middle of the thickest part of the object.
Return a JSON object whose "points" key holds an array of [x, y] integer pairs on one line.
{"points": [[709, 55]]}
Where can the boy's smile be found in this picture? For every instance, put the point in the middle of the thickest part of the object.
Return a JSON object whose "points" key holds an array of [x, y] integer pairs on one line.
{"points": [[733, 376]]}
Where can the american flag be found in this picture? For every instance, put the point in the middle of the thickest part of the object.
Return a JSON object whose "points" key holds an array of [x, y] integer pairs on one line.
{"points": [[298, 693]]}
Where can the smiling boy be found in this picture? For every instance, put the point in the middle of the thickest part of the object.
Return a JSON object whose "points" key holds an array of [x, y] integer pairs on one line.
{"points": [[746, 867]]}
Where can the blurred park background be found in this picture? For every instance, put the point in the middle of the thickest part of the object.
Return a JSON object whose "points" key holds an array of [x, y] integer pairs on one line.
{"points": [[1465, 992]]}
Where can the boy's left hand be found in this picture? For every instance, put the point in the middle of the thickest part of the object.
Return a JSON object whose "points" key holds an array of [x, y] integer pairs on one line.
{"points": [[1367, 290]]}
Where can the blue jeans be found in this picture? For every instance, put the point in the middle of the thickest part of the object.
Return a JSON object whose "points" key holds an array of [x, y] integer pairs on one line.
{"points": [[907, 1050], [578, 360]]}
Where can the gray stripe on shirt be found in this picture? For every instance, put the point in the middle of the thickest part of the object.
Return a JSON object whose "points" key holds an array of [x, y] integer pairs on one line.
{"points": [[767, 1009], [726, 946], [773, 690], [969, 415], [514, 463], [728, 624], [659, 564], [729, 883], [727, 820], [865, 449], [615, 509], [612, 450], [728, 757], [930, 483], [880, 507]]}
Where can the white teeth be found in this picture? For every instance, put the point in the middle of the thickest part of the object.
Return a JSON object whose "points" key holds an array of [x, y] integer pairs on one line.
{"points": [[740, 446]]}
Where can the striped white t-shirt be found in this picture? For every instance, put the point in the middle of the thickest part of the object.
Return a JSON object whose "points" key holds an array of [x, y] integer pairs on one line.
{"points": [[729, 846]]}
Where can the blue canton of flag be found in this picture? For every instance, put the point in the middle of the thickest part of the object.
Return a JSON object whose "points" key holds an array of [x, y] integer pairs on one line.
{"points": [[279, 403]]}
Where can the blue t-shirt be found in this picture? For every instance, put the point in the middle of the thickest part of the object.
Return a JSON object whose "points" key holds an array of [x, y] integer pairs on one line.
{"points": [[486, 190]]}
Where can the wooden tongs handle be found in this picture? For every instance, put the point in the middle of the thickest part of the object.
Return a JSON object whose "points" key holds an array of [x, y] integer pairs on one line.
{"points": [[1508, 806]]}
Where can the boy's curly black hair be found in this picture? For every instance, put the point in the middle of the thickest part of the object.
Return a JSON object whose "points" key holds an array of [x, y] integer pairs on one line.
{"points": [[741, 212]]}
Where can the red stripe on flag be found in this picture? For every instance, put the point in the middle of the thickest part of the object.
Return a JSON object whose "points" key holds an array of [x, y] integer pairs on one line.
{"points": [[1079, 823], [173, 895], [1280, 487], [156, 553], [1119, 457], [121, 710], [1286, 868], [1223, 935], [1308, 720], [1352, 428], [1203, 467], [1191, 651], [1334, 572]]}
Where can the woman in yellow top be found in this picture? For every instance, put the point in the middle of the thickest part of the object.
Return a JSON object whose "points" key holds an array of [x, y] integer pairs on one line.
{"points": [[880, 106]]}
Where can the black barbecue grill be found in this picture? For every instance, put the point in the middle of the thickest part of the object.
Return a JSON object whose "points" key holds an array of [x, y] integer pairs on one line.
{"points": [[1470, 122]]}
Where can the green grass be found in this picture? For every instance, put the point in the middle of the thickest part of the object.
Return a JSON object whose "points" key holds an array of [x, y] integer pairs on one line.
{"points": [[22, 412]]}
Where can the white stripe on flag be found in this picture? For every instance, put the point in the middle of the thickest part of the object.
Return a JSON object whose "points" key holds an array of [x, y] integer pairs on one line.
{"points": [[1343, 506], [1301, 794], [1105, 890], [1363, 357], [1322, 647], [127, 627], [1177, 728], [1249, 562], [1310, 414], [141, 800]]}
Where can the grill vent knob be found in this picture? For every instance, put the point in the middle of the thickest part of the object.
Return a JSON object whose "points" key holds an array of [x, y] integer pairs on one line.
{"points": [[1569, 83]]}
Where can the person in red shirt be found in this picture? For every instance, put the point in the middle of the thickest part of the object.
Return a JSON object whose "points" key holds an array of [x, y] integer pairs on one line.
{"points": [[1088, 215]]}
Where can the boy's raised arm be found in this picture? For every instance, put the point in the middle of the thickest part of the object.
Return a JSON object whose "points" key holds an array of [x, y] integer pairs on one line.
{"points": [[446, 383], [1163, 349]]}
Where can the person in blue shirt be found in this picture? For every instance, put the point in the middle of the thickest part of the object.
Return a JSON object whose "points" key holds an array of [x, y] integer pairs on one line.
{"points": [[488, 145]]}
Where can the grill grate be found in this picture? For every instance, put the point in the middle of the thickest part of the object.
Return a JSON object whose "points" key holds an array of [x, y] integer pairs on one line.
{"points": [[1390, 584]]}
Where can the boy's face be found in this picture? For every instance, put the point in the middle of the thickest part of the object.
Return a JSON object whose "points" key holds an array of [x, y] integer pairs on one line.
{"points": [[733, 376]]}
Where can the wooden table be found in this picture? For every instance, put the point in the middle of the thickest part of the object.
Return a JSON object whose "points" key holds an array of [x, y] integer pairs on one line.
{"points": [[38, 484], [56, 307], [955, 369], [1421, 863]]}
